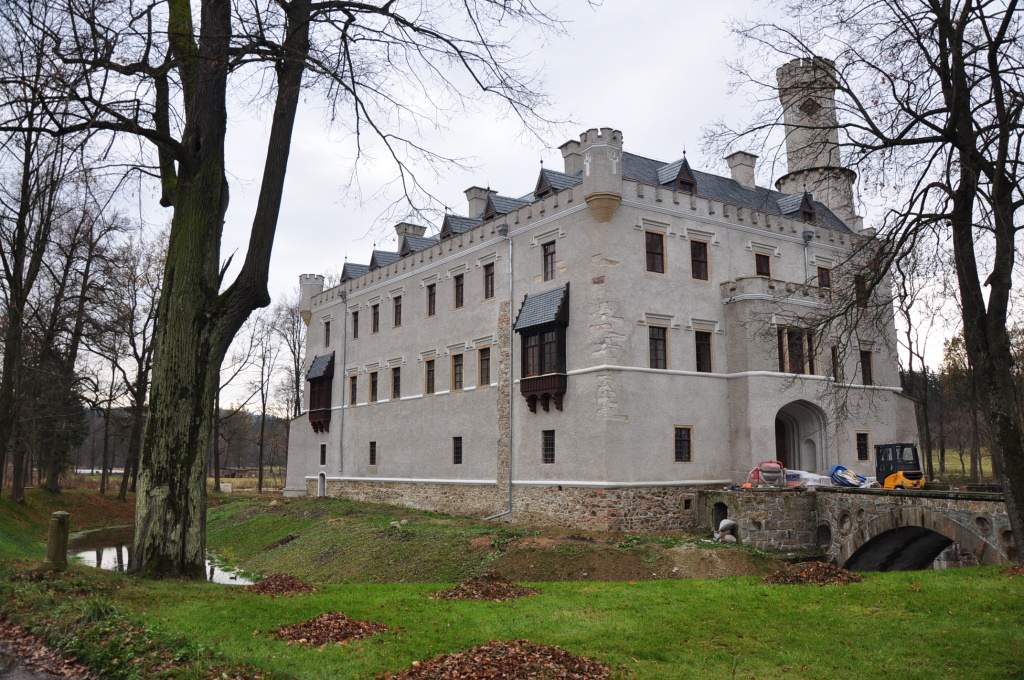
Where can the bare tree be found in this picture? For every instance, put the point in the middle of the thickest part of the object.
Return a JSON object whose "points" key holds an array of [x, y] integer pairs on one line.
{"points": [[261, 381], [290, 331], [930, 105], [159, 74]]}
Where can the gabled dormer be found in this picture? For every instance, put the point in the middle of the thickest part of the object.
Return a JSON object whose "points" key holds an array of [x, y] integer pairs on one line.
{"points": [[382, 258], [456, 224], [500, 205], [684, 180], [411, 243], [351, 271], [543, 187], [807, 213]]}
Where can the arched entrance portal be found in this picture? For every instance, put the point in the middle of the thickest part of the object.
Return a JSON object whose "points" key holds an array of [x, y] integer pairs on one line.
{"points": [[800, 436]]}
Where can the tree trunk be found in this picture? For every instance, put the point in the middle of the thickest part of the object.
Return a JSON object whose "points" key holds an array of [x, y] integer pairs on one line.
{"points": [[263, 431], [215, 449], [105, 458]]}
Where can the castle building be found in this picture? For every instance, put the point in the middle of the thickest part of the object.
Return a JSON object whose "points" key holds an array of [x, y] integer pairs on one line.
{"points": [[592, 353]]}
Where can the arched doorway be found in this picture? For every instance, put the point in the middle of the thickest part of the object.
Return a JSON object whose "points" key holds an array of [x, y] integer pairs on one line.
{"points": [[800, 436], [321, 485]]}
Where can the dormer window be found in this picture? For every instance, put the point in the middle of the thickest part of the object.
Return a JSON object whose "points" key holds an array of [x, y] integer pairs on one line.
{"points": [[807, 208], [807, 215], [685, 186], [685, 181]]}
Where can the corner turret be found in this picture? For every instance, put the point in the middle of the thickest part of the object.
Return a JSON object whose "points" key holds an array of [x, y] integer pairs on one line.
{"points": [[601, 151], [310, 285]]}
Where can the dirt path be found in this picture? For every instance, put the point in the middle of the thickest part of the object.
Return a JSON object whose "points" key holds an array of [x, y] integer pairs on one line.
{"points": [[23, 656]]}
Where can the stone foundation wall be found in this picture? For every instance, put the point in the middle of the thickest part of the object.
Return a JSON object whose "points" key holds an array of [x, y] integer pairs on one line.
{"points": [[778, 519], [617, 509]]}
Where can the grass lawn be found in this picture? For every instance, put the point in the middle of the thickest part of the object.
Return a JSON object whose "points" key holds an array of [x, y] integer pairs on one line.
{"points": [[964, 623]]}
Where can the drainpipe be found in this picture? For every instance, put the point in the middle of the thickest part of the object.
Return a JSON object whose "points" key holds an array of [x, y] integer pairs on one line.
{"points": [[344, 384], [808, 237], [503, 232]]}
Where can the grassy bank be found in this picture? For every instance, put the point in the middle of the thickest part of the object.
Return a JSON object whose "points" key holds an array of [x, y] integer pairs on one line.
{"points": [[23, 528], [963, 623]]}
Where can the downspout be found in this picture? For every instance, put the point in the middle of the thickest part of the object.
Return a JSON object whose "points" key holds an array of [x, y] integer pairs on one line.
{"points": [[503, 232], [344, 385]]}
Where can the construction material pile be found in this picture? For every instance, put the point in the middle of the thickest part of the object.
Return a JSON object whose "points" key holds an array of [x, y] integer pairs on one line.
{"points": [[819, 573], [281, 584], [489, 585], [328, 628], [509, 660]]}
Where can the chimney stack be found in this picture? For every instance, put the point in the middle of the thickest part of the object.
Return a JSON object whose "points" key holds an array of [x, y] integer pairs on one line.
{"points": [[403, 228], [477, 198], [572, 157], [742, 165]]}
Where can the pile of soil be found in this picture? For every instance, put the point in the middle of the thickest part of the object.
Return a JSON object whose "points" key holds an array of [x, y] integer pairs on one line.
{"points": [[820, 573], [327, 628], [281, 584], [489, 585], [1015, 570], [510, 660]]}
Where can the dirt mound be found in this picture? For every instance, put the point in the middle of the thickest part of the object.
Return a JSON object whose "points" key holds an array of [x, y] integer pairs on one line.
{"points": [[510, 660], [489, 585], [820, 573], [1015, 570], [281, 584], [326, 628]]}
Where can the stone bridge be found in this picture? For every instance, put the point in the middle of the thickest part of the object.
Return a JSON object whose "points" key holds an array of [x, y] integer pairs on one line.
{"points": [[868, 529]]}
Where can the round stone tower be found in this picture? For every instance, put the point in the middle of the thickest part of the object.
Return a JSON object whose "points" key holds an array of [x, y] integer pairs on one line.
{"points": [[807, 90], [310, 285]]}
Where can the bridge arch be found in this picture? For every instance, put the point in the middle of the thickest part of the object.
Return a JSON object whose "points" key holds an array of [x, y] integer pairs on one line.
{"points": [[909, 537]]}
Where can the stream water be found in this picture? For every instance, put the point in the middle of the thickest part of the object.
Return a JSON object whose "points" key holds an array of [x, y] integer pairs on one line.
{"points": [[110, 549]]}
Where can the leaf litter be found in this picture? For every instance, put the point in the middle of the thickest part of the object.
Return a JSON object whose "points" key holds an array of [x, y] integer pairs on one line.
{"points": [[489, 585], [505, 660], [817, 573], [281, 584], [328, 628]]}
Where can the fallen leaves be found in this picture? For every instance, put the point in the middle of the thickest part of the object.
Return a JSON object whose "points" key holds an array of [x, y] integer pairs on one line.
{"points": [[820, 573], [281, 584], [505, 660], [1015, 570], [489, 585], [34, 653], [327, 628]]}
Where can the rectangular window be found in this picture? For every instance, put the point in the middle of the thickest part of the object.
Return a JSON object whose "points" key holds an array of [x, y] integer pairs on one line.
{"points": [[702, 344], [320, 393], [763, 265], [683, 445], [540, 353], [860, 291], [657, 341], [532, 355], [353, 390], [457, 450], [865, 367], [428, 379], [373, 387], [323, 454], [824, 277], [460, 290], [863, 448], [374, 318], [548, 446], [396, 383], [432, 299], [327, 333], [655, 243], [488, 281], [456, 371], [398, 311], [484, 366], [355, 325], [796, 351], [699, 260], [548, 351], [549, 260], [837, 368], [373, 453]]}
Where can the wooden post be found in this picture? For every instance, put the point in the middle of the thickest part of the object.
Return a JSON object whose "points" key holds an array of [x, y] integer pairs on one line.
{"points": [[57, 542]]}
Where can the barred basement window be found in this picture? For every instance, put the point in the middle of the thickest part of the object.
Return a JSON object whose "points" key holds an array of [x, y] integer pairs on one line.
{"points": [[655, 244], [488, 281], [484, 366], [428, 387], [457, 450], [323, 454], [657, 342], [373, 453], [548, 446], [683, 442], [863, 447]]}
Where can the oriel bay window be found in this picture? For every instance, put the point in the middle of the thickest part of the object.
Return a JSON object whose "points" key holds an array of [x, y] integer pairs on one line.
{"points": [[541, 324], [796, 351], [321, 382]]}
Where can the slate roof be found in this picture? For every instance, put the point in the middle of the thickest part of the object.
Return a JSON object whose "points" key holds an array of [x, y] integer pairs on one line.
{"points": [[381, 258], [503, 205], [353, 271], [418, 243], [560, 180], [322, 367], [543, 308], [650, 171], [458, 224]]}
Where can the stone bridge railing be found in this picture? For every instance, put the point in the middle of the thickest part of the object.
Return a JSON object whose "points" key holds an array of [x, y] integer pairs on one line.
{"points": [[866, 529]]}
